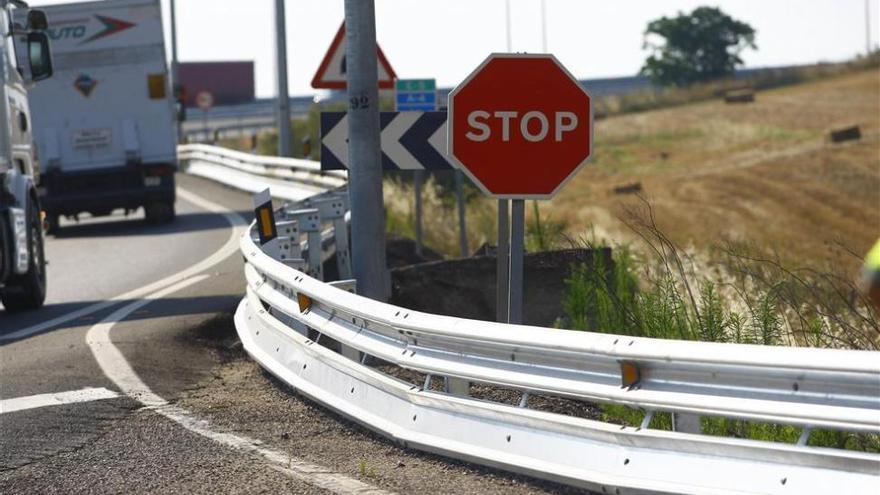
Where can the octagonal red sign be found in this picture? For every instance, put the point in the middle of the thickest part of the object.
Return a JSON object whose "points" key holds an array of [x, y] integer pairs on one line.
{"points": [[520, 126]]}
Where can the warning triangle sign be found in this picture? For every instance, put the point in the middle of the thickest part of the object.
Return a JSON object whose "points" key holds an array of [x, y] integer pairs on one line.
{"points": [[332, 72]]}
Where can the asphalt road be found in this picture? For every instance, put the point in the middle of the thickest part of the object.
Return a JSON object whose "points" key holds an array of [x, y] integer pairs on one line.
{"points": [[172, 404]]}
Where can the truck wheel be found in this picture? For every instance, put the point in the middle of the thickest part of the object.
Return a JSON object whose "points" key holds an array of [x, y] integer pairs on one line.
{"points": [[159, 212], [5, 252], [28, 291], [53, 223]]}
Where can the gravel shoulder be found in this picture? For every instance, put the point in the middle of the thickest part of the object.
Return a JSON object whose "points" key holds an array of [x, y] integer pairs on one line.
{"points": [[240, 397]]}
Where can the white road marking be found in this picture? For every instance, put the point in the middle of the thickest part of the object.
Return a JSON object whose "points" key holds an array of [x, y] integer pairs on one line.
{"points": [[230, 247], [59, 399], [119, 371]]}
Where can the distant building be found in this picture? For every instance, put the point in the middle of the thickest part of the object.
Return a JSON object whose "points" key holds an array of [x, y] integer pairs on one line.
{"points": [[230, 83]]}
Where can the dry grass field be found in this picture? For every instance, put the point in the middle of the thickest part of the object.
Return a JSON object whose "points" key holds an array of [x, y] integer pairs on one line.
{"points": [[764, 172]]}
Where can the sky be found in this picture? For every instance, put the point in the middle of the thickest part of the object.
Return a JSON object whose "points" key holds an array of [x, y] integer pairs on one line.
{"points": [[447, 39]]}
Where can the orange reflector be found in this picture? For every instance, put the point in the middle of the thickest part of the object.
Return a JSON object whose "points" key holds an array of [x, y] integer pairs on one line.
{"points": [[266, 222], [156, 85], [629, 374], [305, 302]]}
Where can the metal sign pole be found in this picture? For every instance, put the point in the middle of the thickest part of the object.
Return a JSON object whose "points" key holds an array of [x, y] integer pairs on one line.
{"points": [[175, 70], [205, 124], [503, 269], [462, 227], [517, 250], [364, 151], [284, 134], [417, 185]]}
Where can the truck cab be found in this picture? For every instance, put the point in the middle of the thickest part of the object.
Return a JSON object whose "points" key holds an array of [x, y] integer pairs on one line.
{"points": [[25, 59]]}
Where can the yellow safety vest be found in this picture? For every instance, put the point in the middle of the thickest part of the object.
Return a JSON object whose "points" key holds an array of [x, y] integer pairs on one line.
{"points": [[872, 261]]}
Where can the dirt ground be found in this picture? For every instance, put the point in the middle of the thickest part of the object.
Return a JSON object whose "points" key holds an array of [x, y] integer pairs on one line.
{"points": [[764, 172]]}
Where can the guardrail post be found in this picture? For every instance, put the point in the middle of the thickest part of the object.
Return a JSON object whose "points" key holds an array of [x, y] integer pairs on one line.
{"points": [[288, 236], [333, 209], [686, 423], [457, 386], [309, 221]]}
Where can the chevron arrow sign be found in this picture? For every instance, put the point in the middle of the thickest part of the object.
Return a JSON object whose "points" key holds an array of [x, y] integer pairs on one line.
{"points": [[410, 141]]}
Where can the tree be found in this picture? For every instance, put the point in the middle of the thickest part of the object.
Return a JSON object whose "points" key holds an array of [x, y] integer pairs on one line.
{"points": [[701, 46]]}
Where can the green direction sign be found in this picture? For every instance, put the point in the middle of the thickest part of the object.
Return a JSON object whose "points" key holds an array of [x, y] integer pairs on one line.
{"points": [[416, 85]]}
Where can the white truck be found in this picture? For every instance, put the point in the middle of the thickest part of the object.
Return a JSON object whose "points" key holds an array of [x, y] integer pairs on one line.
{"points": [[105, 124], [25, 59]]}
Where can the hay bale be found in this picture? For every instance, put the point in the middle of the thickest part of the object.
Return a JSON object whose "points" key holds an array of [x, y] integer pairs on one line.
{"points": [[633, 188], [852, 133], [741, 95]]}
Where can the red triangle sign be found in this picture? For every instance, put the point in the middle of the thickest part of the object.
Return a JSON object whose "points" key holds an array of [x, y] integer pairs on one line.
{"points": [[331, 74]]}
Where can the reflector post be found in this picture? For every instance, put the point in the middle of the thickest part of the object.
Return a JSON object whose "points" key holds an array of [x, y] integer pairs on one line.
{"points": [[266, 223], [630, 374], [305, 302]]}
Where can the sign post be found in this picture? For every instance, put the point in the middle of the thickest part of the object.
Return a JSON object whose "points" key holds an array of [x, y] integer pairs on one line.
{"points": [[416, 95], [205, 100], [283, 103], [521, 127]]}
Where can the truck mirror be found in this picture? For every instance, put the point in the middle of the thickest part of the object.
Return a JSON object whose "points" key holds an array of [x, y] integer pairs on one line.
{"points": [[37, 20], [39, 57]]}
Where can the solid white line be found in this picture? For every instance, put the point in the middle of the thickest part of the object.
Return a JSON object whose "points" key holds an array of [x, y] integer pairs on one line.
{"points": [[58, 399], [119, 371], [228, 249]]}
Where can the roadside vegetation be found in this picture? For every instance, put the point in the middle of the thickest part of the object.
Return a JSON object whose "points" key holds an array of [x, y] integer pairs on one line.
{"points": [[737, 294]]}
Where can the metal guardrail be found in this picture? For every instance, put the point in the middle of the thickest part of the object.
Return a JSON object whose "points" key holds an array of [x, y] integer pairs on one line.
{"points": [[286, 314], [289, 178]]}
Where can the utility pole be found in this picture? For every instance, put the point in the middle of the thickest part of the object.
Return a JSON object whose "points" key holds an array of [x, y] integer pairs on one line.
{"points": [[175, 75], [364, 151], [868, 27], [284, 134]]}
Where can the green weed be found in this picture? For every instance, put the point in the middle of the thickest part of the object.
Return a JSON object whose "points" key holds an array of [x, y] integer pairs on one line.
{"points": [[761, 302]]}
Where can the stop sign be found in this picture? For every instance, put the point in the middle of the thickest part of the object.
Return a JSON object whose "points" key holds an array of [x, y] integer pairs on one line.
{"points": [[520, 126]]}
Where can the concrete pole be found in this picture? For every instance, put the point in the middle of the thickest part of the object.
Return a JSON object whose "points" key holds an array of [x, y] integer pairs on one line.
{"points": [[364, 151], [175, 75], [517, 250], [284, 135]]}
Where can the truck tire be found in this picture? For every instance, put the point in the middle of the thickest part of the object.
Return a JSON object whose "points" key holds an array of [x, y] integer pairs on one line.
{"points": [[53, 223], [5, 252], [159, 212], [28, 291]]}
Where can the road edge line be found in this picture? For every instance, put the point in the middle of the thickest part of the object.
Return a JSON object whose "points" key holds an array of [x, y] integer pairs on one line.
{"points": [[116, 368]]}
